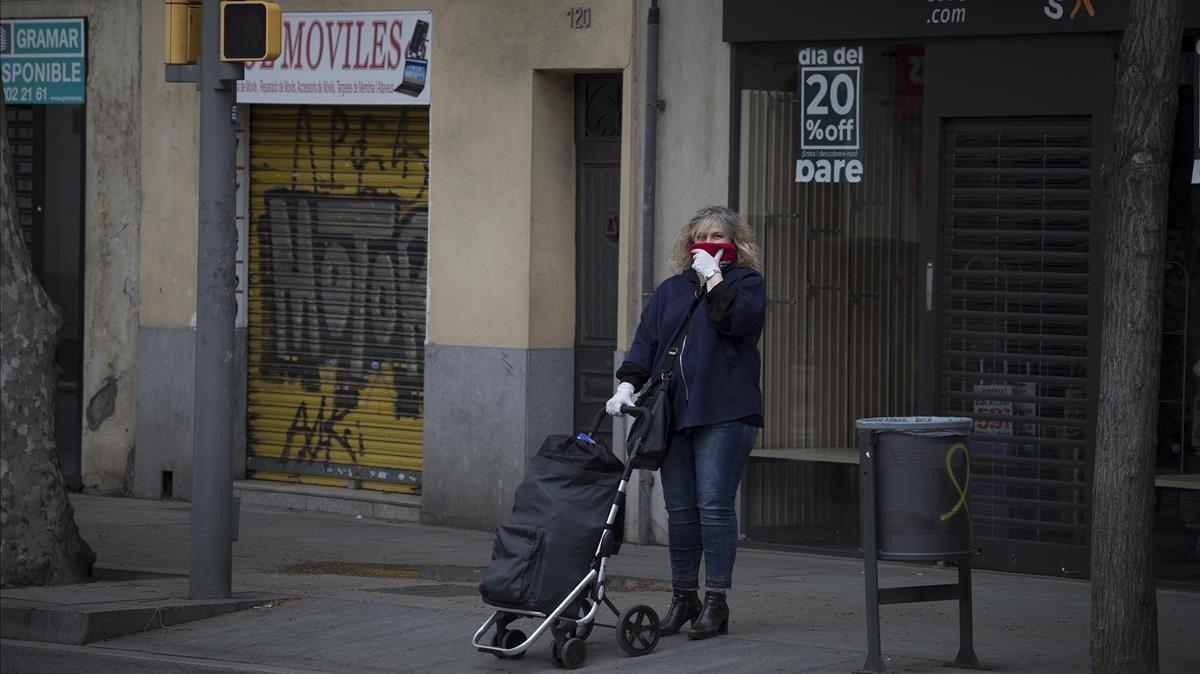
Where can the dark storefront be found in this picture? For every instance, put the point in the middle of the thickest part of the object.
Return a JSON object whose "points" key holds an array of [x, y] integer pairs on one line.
{"points": [[926, 182]]}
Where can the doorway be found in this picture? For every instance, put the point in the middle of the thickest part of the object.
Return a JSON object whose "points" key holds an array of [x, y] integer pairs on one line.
{"points": [[47, 144], [597, 228], [1011, 248]]}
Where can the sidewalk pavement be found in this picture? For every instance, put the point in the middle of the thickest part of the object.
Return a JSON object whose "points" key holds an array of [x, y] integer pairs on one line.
{"points": [[338, 593]]}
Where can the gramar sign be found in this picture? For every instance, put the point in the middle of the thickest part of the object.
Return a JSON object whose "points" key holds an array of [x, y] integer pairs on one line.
{"points": [[43, 61]]}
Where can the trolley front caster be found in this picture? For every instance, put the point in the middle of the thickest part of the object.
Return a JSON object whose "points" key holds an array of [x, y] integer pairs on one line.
{"points": [[508, 639], [569, 653]]}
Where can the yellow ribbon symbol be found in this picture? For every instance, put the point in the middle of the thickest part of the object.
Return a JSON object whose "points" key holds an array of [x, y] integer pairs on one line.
{"points": [[960, 488]]}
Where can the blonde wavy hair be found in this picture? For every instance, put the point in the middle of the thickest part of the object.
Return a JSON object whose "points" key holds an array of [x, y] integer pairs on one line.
{"points": [[731, 223]]}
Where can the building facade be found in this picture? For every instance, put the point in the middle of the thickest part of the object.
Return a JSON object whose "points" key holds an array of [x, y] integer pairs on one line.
{"points": [[387, 339], [441, 234]]}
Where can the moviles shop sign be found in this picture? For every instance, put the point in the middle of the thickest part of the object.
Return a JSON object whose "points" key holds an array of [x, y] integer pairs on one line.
{"points": [[349, 58]]}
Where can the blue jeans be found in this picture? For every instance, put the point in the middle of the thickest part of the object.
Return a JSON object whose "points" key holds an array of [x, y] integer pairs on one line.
{"points": [[700, 477]]}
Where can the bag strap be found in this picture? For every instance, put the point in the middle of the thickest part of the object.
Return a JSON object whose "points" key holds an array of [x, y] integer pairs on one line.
{"points": [[677, 340]]}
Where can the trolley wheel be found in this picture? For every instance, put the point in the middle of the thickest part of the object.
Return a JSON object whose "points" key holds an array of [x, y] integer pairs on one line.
{"points": [[637, 630], [573, 653], [509, 639]]}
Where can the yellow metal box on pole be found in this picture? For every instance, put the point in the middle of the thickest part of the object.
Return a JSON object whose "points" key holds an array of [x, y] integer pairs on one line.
{"points": [[251, 30], [181, 32]]}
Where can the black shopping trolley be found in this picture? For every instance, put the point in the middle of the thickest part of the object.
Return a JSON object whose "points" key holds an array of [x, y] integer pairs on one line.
{"points": [[549, 561]]}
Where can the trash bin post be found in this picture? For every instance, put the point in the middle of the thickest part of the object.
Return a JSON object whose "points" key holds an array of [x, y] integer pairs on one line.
{"points": [[966, 638], [866, 473]]}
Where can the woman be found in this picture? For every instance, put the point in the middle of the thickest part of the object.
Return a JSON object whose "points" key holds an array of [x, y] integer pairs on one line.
{"points": [[716, 401]]}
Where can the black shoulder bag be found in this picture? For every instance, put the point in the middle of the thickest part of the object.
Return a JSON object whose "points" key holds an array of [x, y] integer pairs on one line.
{"points": [[650, 435]]}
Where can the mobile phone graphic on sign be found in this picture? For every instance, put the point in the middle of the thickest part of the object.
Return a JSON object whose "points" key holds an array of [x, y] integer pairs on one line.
{"points": [[416, 64], [416, 44]]}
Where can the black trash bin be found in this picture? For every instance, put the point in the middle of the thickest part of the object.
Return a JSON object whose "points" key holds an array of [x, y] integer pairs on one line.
{"points": [[922, 478], [915, 478]]}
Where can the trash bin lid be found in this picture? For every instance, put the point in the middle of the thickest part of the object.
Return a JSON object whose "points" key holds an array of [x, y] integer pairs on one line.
{"points": [[923, 426]]}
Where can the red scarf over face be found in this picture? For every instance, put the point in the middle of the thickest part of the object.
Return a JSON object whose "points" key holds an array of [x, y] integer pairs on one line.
{"points": [[728, 257]]}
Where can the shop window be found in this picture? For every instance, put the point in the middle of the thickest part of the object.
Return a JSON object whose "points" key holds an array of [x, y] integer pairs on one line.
{"points": [[841, 263], [1177, 478]]}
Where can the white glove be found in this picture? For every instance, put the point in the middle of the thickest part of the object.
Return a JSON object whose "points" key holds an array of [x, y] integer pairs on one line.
{"points": [[623, 396], [703, 263]]}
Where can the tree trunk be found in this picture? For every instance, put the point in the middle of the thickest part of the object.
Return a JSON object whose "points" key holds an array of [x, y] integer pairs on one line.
{"points": [[39, 542], [1124, 628]]}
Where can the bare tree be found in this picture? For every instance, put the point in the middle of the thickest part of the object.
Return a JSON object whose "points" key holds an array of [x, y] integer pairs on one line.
{"points": [[39, 542], [1124, 627]]}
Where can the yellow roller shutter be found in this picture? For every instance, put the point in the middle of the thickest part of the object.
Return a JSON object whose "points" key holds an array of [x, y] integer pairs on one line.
{"points": [[339, 203]]}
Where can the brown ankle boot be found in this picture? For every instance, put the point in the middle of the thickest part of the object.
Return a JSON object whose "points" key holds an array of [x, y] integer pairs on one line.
{"points": [[685, 606], [714, 617]]}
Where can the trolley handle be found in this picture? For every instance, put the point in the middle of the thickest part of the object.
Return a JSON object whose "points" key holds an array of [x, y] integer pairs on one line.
{"points": [[625, 409], [596, 423]]}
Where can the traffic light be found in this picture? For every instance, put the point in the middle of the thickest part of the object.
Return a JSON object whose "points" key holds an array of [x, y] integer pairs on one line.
{"points": [[250, 30], [181, 34]]}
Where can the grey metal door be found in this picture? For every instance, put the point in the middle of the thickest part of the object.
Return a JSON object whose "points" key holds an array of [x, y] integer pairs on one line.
{"points": [[598, 196], [1012, 249]]}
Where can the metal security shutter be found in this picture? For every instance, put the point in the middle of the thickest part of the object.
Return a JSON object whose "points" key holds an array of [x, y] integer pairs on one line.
{"points": [[339, 201], [1014, 332]]}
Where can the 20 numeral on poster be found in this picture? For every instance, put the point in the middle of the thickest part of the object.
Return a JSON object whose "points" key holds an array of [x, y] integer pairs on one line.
{"points": [[840, 94]]}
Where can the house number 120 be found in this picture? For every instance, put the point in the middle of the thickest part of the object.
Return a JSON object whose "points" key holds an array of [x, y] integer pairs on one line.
{"points": [[579, 17]]}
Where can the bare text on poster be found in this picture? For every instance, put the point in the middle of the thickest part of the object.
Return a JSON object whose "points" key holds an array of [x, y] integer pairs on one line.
{"points": [[828, 125]]}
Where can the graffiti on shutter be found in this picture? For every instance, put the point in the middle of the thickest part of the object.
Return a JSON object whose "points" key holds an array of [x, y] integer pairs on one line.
{"points": [[339, 229]]}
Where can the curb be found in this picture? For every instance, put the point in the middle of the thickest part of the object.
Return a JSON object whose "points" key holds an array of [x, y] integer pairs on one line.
{"points": [[368, 504], [26, 620]]}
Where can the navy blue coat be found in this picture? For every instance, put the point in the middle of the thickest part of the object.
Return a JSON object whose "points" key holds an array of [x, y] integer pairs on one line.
{"points": [[717, 373]]}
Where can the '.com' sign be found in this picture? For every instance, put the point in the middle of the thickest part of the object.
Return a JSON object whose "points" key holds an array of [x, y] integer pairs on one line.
{"points": [[43, 61], [828, 115]]}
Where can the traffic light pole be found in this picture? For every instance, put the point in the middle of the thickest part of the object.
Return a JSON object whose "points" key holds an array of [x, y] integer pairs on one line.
{"points": [[212, 434]]}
